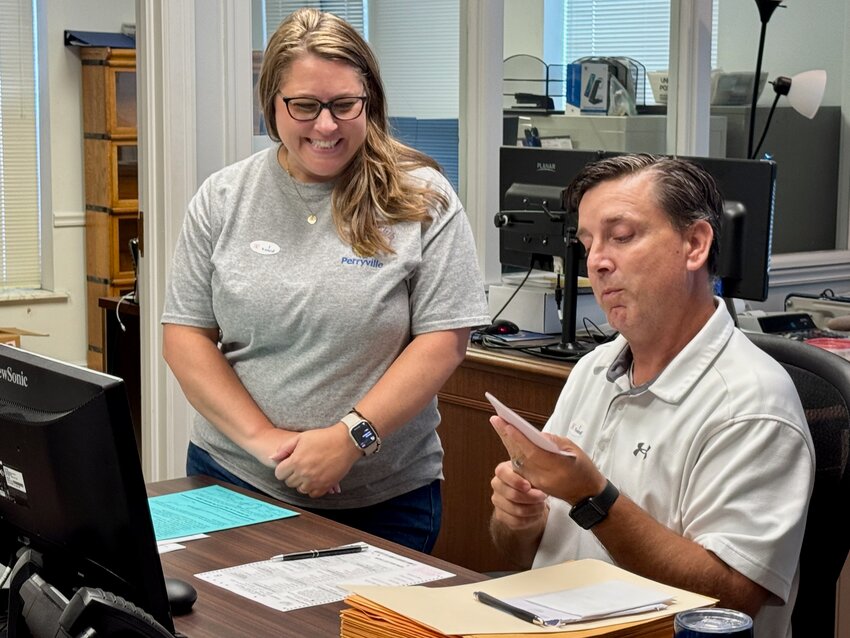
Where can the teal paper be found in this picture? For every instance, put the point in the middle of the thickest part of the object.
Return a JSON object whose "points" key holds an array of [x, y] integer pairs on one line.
{"points": [[208, 509]]}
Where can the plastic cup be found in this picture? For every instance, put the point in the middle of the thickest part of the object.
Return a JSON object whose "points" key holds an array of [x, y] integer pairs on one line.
{"points": [[712, 623]]}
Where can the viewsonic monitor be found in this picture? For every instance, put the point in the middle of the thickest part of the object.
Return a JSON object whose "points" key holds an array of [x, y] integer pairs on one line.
{"points": [[532, 179], [71, 483]]}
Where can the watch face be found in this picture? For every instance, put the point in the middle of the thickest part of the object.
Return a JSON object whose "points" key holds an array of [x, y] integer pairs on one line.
{"points": [[593, 510], [586, 515], [363, 435]]}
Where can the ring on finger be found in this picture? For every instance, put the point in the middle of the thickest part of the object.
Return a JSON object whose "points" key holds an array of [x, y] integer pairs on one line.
{"points": [[517, 463]]}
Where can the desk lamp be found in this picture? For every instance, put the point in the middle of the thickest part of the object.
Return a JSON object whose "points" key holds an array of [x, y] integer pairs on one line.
{"points": [[805, 93], [805, 97]]}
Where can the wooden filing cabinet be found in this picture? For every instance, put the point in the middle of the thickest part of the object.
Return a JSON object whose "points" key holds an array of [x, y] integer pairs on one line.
{"points": [[111, 181], [531, 387]]}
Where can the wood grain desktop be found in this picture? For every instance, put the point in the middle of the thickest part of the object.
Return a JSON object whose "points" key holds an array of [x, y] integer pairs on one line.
{"points": [[219, 613]]}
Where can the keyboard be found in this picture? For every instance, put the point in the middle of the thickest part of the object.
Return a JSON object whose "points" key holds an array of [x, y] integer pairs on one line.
{"points": [[813, 333]]}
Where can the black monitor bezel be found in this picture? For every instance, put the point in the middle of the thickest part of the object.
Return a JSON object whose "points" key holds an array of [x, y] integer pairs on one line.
{"points": [[69, 431]]}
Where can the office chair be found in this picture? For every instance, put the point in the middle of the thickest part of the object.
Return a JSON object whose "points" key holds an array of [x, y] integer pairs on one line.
{"points": [[822, 380]]}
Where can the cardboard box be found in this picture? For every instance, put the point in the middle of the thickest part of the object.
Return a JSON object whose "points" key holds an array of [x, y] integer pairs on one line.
{"points": [[12, 336], [587, 87]]}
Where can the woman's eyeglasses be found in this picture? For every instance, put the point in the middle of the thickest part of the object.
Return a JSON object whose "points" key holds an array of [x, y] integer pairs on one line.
{"points": [[304, 109]]}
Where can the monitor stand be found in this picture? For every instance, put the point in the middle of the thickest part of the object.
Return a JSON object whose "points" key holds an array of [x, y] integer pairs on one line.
{"points": [[569, 347]]}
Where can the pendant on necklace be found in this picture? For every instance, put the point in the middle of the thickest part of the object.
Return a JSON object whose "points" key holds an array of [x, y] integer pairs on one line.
{"points": [[312, 219]]}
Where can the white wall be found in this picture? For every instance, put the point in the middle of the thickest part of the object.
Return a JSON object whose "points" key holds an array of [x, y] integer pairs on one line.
{"points": [[65, 320], [524, 28], [800, 36]]}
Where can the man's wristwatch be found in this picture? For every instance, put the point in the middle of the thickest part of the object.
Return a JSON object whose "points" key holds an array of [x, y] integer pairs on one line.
{"points": [[594, 509], [362, 432]]}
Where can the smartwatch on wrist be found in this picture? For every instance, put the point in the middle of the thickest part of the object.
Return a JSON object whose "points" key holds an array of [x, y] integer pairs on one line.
{"points": [[362, 432], [594, 509]]}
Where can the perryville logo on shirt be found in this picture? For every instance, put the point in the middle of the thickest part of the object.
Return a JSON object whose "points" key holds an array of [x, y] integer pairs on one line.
{"points": [[371, 262]]}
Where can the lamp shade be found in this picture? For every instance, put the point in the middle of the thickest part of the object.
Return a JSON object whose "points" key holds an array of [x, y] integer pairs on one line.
{"points": [[806, 92]]}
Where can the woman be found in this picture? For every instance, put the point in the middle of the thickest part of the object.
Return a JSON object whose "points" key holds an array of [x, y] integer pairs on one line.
{"points": [[321, 294]]}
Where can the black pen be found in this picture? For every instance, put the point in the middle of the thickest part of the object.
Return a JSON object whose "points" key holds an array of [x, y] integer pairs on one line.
{"points": [[319, 553], [522, 614]]}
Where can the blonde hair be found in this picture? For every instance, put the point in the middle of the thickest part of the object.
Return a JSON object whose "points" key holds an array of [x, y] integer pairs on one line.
{"points": [[375, 189]]}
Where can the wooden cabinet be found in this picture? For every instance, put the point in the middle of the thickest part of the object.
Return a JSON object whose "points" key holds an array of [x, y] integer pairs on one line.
{"points": [[111, 179], [473, 449]]}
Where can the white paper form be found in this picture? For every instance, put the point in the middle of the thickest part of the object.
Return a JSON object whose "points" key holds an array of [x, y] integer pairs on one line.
{"points": [[602, 600], [288, 585]]}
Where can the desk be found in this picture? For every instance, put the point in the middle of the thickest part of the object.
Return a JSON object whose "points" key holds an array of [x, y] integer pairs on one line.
{"points": [[531, 386], [219, 613]]}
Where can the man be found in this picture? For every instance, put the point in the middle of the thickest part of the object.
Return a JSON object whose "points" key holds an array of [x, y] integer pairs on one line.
{"points": [[702, 433]]}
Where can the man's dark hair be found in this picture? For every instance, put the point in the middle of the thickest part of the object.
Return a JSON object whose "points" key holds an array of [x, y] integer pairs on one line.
{"points": [[684, 190]]}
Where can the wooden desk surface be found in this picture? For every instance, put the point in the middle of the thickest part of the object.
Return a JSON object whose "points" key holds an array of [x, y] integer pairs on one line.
{"points": [[518, 362], [219, 613]]}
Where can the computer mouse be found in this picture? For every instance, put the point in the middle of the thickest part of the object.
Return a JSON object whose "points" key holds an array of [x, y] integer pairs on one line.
{"points": [[181, 596], [501, 327]]}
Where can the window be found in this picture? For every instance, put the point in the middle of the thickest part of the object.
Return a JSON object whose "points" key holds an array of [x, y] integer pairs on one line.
{"points": [[810, 230], [20, 231], [638, 29], [352, 11], [417, 46], [812, 155]]}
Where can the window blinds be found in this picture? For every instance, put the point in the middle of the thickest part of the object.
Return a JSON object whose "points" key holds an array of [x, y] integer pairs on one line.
{"points": [[349, 10], [638, 29], [20, 250]]}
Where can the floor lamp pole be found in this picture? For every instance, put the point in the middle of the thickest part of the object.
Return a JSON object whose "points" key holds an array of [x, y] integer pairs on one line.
{"points": [[766, 9], [755, 99]]}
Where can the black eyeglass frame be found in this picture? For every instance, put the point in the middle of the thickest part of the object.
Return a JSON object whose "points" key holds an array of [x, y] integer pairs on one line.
{"points": [[325, 105]]}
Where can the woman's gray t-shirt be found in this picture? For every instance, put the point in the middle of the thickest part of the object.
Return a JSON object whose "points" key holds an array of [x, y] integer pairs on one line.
{"points": [[308, 326]]}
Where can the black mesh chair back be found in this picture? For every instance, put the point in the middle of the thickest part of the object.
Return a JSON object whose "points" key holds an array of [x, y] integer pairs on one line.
{"points": [[823, 383]]}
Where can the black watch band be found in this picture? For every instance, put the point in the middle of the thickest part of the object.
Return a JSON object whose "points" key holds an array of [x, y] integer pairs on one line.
{"points": [[594, 509]]}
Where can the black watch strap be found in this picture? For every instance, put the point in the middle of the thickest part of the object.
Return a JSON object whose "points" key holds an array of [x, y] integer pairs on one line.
{"points": [[594, 509]]}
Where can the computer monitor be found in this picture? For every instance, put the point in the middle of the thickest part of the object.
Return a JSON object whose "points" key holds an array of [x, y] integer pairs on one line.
{"points": [[532, 180], [530, 177], [535, 229], [748, 188], [71, 483]]}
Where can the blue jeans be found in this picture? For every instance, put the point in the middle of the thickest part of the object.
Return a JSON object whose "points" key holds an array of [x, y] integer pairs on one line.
{"points": [[411, 519]]}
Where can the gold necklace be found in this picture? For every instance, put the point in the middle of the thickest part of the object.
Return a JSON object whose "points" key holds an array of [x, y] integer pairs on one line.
{"points": [[311, 217]]}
